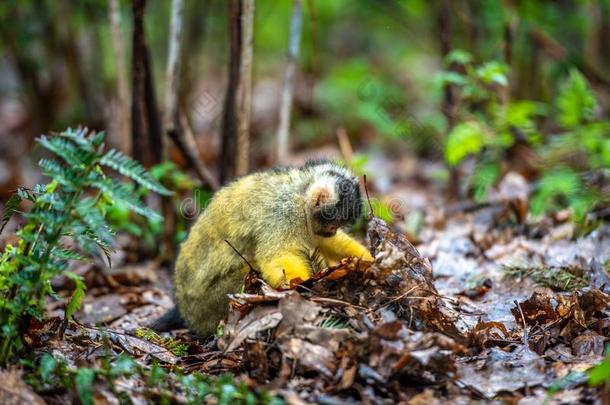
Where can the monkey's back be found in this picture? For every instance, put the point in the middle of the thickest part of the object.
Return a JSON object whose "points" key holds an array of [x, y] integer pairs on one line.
{"points": [[243, 212]]}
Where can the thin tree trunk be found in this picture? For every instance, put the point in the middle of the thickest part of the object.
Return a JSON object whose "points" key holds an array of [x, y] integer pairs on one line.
{"points": [[229, 119], [174, 123], [286, 98], [245, 87], [195, 25], [172, 73], [147, 143], [123, 113]]}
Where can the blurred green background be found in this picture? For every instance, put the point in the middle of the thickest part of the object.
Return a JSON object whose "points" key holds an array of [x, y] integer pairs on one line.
{"points": [[485, 87]]}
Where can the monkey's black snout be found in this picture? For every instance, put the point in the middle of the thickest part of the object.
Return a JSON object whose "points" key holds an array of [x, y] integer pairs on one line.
{"points": [[348, 207]]}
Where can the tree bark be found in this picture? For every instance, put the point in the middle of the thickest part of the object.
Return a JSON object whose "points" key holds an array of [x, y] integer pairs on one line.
{"points": [[245, 87], [147, 143], [174, 123], [286, 98], [227, 164], [172, 72], [123, 113]]}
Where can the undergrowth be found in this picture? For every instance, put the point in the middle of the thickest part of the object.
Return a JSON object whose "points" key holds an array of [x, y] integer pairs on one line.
{"points": [[66, 222], [564, 278], [126, 379]]}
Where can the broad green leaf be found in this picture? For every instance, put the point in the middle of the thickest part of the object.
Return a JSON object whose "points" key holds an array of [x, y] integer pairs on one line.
{"points": [[84, 385], [600, 373], [493, 73], [464, 139], [47, 366], [459, 56]]}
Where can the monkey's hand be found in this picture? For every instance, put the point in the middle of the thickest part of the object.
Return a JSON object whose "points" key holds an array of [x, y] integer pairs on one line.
{"points": [[286, 266], [342, 245]]}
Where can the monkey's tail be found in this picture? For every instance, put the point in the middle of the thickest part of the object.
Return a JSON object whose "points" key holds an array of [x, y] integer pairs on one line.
{"points": [[170, 321]]}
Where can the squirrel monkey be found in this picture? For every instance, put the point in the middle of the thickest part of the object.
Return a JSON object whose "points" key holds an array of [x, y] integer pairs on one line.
{"points": [[276, 220]]}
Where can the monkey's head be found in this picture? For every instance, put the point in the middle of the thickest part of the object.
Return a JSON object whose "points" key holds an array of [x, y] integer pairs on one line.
{"points": [[333, 198]]}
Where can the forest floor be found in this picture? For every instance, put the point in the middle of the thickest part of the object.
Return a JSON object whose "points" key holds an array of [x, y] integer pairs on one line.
{"points": [[488, 307]]}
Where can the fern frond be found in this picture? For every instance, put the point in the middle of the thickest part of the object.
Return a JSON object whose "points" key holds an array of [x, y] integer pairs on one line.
{"points": [[57, 172], [77, 296], [90, 215], [10, 208], [90, 243], [66, 254], [65, 149], [132, 169], [120, 192], [30, 195], [79, 137]]}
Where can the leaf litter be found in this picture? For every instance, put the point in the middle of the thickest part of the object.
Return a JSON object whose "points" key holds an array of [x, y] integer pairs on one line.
{"points": [[472, 318]]}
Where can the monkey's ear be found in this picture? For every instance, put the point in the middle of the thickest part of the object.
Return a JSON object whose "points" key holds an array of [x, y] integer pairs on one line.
{"points": [[321, 192], [319, 196]]}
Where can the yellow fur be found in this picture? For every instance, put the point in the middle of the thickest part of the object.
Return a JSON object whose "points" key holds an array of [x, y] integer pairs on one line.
{"points": [[267, 218], [342, 245]]}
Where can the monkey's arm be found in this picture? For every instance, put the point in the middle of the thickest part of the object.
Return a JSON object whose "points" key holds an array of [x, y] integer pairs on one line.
{"points": [[283, 265], [342, 245]]}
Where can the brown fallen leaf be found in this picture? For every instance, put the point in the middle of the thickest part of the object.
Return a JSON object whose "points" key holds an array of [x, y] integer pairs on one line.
{"points": [[500, 371]]}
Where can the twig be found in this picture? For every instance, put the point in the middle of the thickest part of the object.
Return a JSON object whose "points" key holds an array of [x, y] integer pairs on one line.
{"points": [[184, 140], [240, 255], [344, 144], [335, 301], [366, 190], [525, 337], [393, 300]]}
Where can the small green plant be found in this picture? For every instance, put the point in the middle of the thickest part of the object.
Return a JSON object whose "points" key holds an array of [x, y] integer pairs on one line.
{"points": [[333, 322], [150, 231], [66, 222], [600, 374], [489, 125], [177, 348], [557, 278], [159, 384], [576, 155]]}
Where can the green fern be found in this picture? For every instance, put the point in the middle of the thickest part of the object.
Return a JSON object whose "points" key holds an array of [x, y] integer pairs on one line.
{"points": [[73, 205], [132, 169]]}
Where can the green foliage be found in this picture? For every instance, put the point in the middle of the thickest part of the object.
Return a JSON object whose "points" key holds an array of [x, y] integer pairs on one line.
{"points": [[464, 139], [489, 125], [66, 222], [600, 374], [83, 382], [354, 94], [150, 230], [561, 187], [576, 101], [159, 384], [179, 349], [333, 322], [557, 278]]}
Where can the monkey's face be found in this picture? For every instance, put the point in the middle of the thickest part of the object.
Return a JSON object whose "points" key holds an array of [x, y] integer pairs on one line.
{"points": [[335, 204]]}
